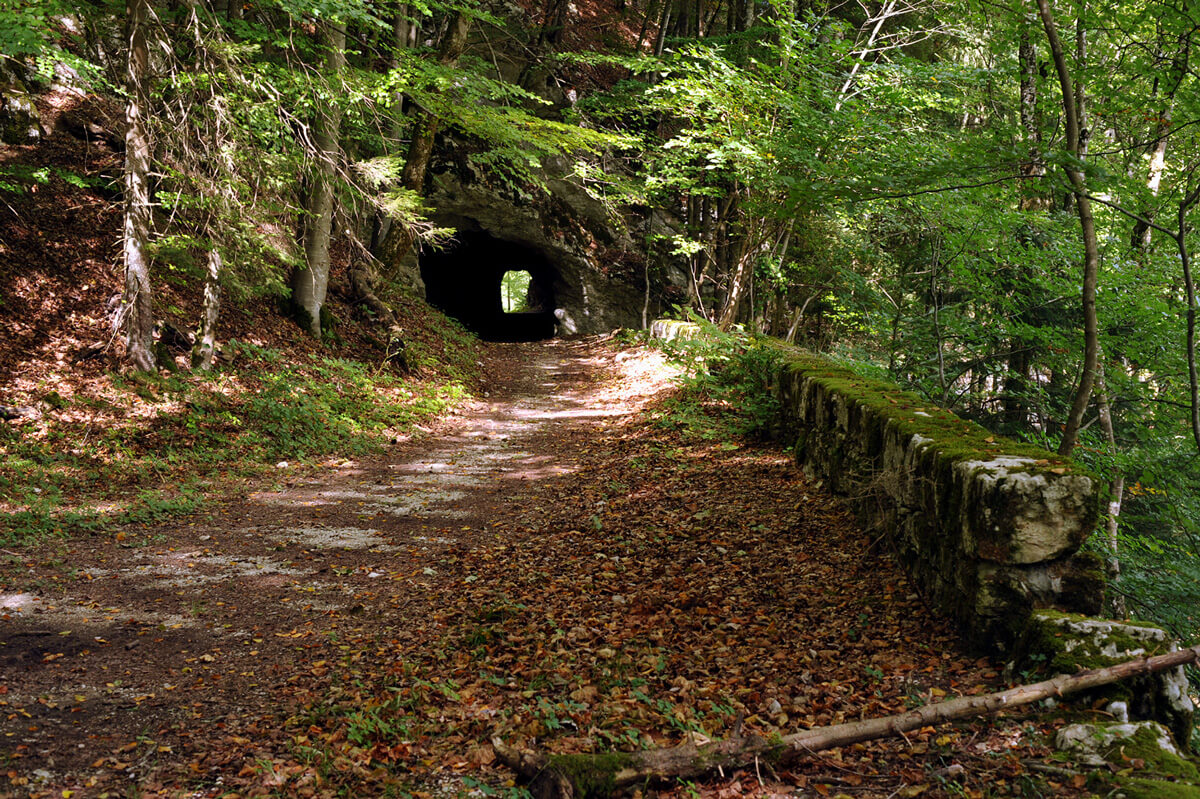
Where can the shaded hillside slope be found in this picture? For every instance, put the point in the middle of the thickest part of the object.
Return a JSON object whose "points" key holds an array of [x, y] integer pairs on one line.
{"points": [[90, 437]]}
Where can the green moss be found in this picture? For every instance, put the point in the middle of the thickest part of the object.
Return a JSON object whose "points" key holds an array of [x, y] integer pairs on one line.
{"points": [[1144, 745], [1047, 634], [954, 439], [594, 776]]}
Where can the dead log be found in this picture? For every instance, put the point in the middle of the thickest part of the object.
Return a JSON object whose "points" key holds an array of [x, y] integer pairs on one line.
{"points": [[593, 776], [8, 412]]}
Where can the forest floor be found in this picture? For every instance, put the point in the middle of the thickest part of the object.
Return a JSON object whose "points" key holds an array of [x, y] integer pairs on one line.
{"points": [[560, 564]]}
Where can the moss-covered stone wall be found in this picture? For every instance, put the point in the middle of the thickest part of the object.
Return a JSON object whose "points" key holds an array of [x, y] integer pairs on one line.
{"points": [[989, 529]]}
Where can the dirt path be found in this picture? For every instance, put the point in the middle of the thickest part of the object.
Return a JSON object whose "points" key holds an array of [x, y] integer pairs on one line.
{"points": [[553, 564]]}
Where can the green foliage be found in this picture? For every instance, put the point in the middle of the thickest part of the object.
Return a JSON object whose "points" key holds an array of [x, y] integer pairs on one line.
{"points": [[514, 290], [32, 33], [18, 178], [728, 380], [193, 430]]}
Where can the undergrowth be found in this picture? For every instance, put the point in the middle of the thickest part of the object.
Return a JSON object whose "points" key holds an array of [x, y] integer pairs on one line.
{"points": [[727, 384], [145, 447]]}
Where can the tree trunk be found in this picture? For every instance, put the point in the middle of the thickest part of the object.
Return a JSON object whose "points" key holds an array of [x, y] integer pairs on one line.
{"points": [[594, 775], [886, 11], [739, 283], [310, 283], [1116, 491], [206, 342], [660, 38], [1072, 100], [1140, 237], [426, 126], [1032, 197], [1189, 287], [137, 306], [651, 9]]}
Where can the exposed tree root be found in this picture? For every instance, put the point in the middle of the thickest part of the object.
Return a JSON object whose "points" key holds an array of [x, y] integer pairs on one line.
{"points": [[600, 775], [362, 287]]}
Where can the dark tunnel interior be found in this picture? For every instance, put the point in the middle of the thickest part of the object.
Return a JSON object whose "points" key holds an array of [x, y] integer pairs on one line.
{"points": [[463, 280]]}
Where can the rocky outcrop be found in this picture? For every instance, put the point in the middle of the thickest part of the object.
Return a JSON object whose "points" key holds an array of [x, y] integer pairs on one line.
{"points": [[20, 122], [590, 257], [1063, 643]]}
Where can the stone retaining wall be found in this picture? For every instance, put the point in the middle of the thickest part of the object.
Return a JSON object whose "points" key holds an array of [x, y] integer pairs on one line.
{"points": [[988, 529]]}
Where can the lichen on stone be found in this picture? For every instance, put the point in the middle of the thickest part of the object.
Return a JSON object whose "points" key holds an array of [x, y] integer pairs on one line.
{"points": [[1066, 643]]}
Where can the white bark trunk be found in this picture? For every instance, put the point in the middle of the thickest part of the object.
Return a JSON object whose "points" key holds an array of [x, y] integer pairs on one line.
{"points": [[137, 306], [206, 342]]}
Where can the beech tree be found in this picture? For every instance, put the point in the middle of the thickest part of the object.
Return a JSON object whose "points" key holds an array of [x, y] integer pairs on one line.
{"points": [[137, 307], [1073, 103], [310, 283]]}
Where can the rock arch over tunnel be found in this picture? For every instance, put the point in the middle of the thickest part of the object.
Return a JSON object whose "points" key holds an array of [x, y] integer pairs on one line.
{"points": [[463, 279]]}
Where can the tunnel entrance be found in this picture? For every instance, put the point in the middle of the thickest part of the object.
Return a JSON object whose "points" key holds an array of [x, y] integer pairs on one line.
{"points": [[469, 279]]}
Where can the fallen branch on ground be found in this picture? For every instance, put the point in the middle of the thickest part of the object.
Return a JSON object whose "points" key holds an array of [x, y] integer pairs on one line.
{"points": [[600, 775]]}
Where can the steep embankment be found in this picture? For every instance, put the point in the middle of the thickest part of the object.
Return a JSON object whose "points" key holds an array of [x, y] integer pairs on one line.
{"points": [[93, 446]]}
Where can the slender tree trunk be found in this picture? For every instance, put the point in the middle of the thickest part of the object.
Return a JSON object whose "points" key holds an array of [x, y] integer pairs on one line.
{"points": [[660, 39], [711, 23], [1091, 262], [402, 33], [888, 10], [935, 297], [790, 338], [310, 283], [651, 13], [137, 305], [1031, 195], [1140, 237], [399, 238], [1116, 491], [739, 282], [1189, 287], [646, 275], [206, 342]]}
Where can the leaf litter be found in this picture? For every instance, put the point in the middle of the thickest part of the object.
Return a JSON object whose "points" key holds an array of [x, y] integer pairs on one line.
{"points": [[577, 574]]}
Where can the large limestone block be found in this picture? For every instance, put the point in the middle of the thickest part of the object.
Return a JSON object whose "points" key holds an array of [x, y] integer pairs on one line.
{"points": [[1015, 513], [1119, 743]]}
